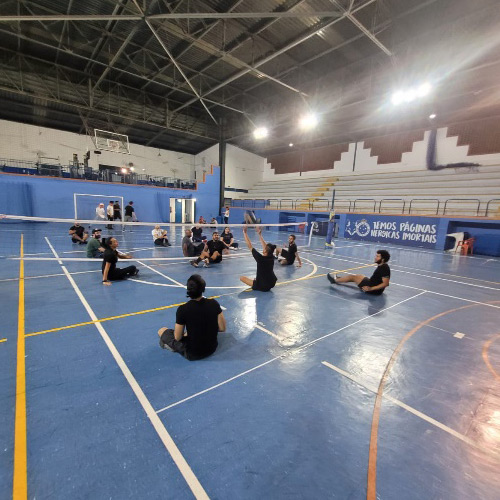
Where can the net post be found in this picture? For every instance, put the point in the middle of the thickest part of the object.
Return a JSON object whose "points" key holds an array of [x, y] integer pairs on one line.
{"points": [[74, 202], [310, 235]]}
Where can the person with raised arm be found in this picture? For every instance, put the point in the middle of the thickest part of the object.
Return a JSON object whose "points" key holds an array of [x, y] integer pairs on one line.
{"points": [[265, 279]]}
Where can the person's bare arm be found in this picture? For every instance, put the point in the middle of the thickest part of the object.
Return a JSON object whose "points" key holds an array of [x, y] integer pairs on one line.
{"points": [[247, 239], [71, 232], [221, 321], [178, 332], [384, 284], [105, 274], [298, 259], [124, 255], [258, 230]]}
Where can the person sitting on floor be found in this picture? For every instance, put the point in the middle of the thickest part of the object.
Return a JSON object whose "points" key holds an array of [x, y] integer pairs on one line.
{"points": [[78, 234], [374, 285], [228, 240], [212, 252], [266, 279], [160, 236], [189, 249], [197, 324], [197, 233], [288, 254], [109, 270], [95, 249]]}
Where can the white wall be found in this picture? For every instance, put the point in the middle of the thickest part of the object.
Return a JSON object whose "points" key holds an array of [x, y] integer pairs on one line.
{"points": [[27, 142]]}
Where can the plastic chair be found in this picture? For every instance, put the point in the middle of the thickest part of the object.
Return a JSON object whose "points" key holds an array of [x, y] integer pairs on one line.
{"points": [[465, 246]]}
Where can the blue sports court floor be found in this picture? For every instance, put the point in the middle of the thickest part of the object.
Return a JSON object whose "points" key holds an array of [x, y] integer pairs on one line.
{"points": [[316, 391]]}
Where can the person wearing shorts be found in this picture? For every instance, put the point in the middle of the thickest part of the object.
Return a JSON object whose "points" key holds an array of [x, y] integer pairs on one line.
{"points": [[265, 279], [379, 280], [197, 324], [212, 254], [289, 254]]}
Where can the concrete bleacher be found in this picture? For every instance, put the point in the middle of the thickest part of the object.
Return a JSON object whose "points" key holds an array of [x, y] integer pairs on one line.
{"points": [[460, 191]]}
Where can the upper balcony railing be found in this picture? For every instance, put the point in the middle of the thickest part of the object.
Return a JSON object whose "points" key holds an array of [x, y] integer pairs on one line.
{"points": [[88, 173]]}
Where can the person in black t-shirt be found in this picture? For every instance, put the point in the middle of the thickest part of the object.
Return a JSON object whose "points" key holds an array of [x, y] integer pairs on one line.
{"points": [[212, 252], [197, 324], [289, 253], [197, 233], [117, 212], [228, 240], [78, 234], [265, 279], [109, 270], [374, 285], [129, 212]]}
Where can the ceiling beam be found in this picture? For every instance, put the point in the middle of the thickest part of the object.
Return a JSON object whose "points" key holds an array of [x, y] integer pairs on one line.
{"points": [[275, 54]]}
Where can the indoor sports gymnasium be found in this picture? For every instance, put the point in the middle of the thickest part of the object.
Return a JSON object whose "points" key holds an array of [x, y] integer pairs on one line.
{"points": [[250, 249]]}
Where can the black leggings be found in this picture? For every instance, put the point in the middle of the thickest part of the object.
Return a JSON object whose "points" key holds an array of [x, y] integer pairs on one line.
{"points": [[119, 274], [161, 242]]}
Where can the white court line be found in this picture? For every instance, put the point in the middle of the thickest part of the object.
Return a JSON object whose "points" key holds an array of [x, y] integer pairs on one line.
{"points": [[409, 272], [161, 274], [287, 353], [266, 331], [49, 275], [162, 432], [412, 410]]}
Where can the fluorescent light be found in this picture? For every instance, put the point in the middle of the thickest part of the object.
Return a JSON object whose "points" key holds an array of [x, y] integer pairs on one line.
{"points": [[291, 144], [424, 89], [308, 122], [411, 93], [432, 116], [260, 133], [124, 170]]}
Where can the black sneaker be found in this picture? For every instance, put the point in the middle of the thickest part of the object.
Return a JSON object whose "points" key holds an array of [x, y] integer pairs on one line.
{"points": [[331, 279], [193, 263], [136, 272]]}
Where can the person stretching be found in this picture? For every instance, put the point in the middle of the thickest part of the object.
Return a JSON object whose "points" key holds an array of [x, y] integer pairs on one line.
{"points": [[212, 252], [374, 285], [289, 253], [109, 269], [265, 279], [197, 324]]}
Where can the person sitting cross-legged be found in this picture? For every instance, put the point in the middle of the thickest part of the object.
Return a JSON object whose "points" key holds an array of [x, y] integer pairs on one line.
{"points": [[78, 234], [95, 248], [228, 240], [197, 324], [375, 285], [160, 236]]}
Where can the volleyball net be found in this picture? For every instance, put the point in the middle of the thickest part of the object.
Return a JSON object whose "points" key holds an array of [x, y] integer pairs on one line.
{"points": [[68, 239]]}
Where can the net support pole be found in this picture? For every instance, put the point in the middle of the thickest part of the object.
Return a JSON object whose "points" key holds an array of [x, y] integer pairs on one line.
{"points": [[310, 235], [331, 225]]}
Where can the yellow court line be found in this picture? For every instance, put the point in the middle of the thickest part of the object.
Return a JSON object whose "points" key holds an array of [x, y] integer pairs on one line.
{"points": [[20, 483], [3, 340], [162, 308]]}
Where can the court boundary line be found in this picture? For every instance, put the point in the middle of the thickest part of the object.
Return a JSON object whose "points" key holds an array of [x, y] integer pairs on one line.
{"points": [[412, 410], [20, 466], [395, 266], [172, 449], [265, 330], [285, 354]]}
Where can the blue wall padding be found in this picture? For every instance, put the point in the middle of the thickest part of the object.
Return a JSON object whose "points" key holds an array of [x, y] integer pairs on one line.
{"points": [[53, 197]]}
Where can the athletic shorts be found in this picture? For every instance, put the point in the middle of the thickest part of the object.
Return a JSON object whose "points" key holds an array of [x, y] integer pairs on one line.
{"points": [[290, 258], [195, 250], [366, 282]]}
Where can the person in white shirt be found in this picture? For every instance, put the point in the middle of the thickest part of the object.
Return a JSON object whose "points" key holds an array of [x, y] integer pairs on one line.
{"points": [[160, 236], [100, 213], [226, 216], [110, 211]]}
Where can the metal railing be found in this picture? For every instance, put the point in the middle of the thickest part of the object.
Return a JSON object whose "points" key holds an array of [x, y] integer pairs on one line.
{"points": [[474, 200], [416, 206], [13, 166]]}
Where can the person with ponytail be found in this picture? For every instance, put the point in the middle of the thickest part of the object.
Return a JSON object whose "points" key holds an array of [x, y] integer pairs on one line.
{"points": [[266, 279], [197, 324]]}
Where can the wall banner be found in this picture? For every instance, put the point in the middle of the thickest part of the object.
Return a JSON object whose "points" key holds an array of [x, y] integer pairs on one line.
{"points": [[411, 231]]}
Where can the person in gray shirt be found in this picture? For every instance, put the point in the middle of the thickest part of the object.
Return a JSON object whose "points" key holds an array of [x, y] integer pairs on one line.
{"points": [[188, 248]]}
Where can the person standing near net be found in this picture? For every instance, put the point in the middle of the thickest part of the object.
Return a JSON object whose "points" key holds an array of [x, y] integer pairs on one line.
{"points": [[78, 234], [379, 280], [117, 211], [289, 254], [129, 212], [109, 270], [110, 211], [197, 324], [95, 250], [226, 216], [265, 279], [100, 213]]}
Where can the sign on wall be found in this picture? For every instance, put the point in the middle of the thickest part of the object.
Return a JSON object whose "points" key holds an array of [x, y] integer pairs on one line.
{"points": [[412, 231]]}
